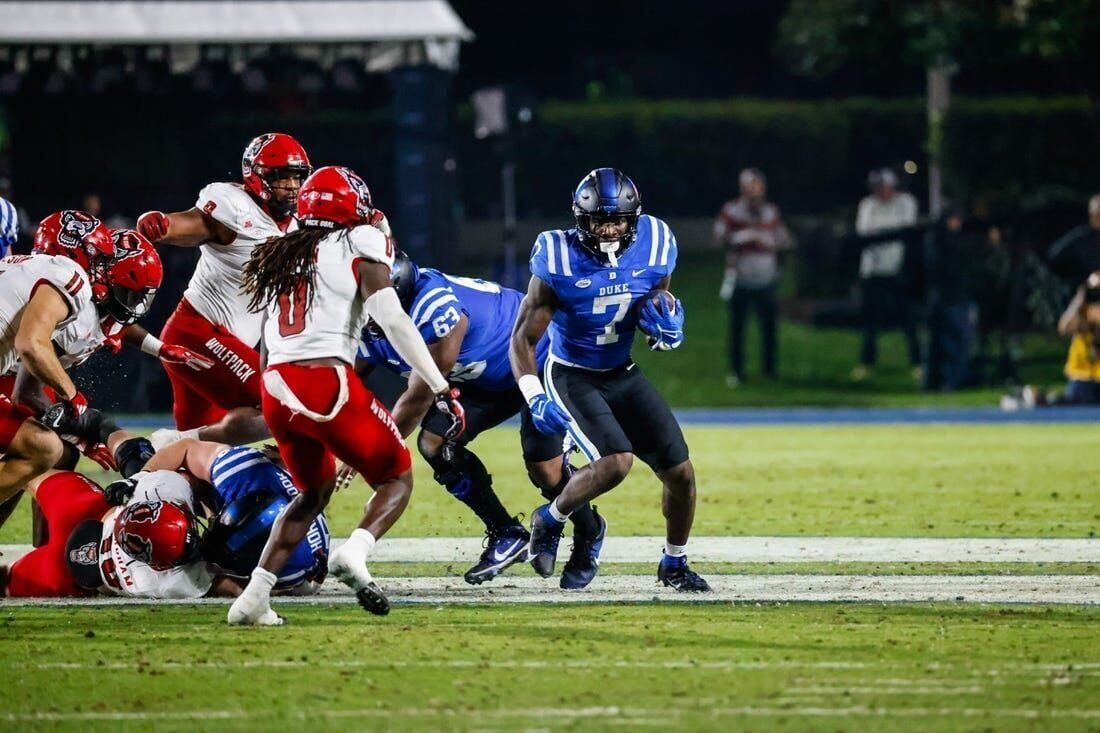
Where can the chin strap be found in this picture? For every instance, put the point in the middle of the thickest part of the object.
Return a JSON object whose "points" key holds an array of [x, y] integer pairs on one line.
{"points": [[609, 249]]}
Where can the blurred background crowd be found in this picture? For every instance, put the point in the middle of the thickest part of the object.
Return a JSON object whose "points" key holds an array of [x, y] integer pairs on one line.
{"points": [[875, 202]]}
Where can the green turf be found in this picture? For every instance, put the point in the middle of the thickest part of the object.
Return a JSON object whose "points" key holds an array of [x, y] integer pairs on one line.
{"points": [[814, 364], [885, 480], [715, 667]]}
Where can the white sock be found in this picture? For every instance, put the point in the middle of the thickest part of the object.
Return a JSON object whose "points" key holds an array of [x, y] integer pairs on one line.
{"points": [[261, 582], [361, 542], [675, 550], [556, 513]]}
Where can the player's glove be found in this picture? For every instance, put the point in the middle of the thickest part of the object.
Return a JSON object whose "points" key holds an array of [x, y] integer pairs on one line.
{"points": [[547, 416], [172, 354], [99, 453], [153, 224], [64, 416], [447, 403], [663, 325], [117, 493]]}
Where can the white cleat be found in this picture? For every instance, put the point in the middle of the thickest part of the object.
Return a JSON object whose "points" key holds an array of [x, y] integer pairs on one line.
{"points": [[165, 437], [247, 611]]}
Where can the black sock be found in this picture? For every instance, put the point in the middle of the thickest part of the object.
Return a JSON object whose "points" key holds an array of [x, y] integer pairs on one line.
{"points": [[467, 480]]}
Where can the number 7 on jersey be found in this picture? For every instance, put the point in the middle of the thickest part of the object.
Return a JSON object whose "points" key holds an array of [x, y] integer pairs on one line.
{"points": [[621, 301]]}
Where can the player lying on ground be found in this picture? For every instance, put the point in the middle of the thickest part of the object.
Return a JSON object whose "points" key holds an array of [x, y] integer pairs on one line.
{"points": [[213, 318], [592, 286], [319, 285], [467, 325]]}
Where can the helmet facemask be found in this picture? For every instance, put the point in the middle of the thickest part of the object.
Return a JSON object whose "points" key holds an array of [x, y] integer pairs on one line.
{"points": [[588, 226], [272, 176]]}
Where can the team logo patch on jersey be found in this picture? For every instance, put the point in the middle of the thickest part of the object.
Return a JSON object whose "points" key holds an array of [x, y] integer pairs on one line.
{"points": [[208, 209], [584, 282]]}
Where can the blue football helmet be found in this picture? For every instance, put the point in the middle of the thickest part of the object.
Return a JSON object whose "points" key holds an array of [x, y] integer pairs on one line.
{"points": [[404, 275], [237, 537], [606, 194]]}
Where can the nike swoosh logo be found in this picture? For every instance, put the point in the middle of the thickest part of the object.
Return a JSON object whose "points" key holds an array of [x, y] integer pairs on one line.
{"points": [[502, 556], [635, 273]]}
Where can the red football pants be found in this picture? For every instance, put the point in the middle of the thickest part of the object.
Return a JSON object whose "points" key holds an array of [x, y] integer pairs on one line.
{"points": [[67, 499], [362, 433], [203, 397]]}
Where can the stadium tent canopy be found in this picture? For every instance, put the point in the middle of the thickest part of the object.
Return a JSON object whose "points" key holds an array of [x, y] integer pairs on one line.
{"points": [[385, 33]]}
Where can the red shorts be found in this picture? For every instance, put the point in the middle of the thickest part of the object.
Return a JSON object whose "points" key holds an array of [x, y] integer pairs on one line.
{"points": [[67, 499], [362, 434], [203, 397], [12, 417]]}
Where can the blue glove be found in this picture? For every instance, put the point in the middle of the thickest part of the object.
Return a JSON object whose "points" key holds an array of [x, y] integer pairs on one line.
{"points": [[663, 325], [548, 418]]}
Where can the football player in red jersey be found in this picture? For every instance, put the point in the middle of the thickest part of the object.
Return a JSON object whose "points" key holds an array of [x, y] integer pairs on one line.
{"points": [[318, 287], [213, 319]]}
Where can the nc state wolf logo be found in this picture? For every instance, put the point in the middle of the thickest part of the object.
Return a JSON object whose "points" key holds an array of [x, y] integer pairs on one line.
{"points": [[362, 193], [137, 545], [75, 225], [86, 554], [254, 149], [126, 242]]}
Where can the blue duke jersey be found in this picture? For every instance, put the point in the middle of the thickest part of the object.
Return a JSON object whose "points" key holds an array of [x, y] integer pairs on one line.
{"points": [[597, 312], [438, 303], [240, 471]]}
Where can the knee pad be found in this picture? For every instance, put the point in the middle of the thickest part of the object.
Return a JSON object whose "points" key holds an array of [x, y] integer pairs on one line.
{"points": [[459, 470], [132, 455]]}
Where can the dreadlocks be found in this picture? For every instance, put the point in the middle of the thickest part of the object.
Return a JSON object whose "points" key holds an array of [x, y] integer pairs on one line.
{"points": [[283, 266]]}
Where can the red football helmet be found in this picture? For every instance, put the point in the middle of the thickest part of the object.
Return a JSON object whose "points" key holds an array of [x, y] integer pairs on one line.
{"points": [[131, 279], [79, 236], [334, 197], [271, 156], [160, 534]]}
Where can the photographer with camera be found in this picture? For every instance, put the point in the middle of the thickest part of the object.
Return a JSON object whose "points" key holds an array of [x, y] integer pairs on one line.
{"points": [[1081, 321]]}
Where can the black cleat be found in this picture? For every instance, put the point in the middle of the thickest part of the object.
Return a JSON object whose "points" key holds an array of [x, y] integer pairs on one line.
{"points": [[675, 573], [502, 550], [584, 560], [545, 536], [373, 600]]}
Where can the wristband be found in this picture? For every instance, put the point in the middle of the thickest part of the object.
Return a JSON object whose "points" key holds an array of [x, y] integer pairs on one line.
{"points": [[151, 345], [530, 386]]}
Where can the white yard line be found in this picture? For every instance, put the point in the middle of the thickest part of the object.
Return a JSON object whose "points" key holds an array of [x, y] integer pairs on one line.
{"points": [[565, 713], [1070, 589], [762, 549]]}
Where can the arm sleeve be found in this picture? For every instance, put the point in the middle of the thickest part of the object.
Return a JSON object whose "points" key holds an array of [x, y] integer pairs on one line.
{"points": [[385, 308]]}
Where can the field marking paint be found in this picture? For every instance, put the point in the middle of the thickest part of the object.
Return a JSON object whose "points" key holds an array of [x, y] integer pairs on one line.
{"points": [[449, 591], [611, 711], [762, 549]]}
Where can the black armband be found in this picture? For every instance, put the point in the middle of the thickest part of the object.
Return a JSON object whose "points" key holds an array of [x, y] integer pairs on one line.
{"points": [[132, 455]]}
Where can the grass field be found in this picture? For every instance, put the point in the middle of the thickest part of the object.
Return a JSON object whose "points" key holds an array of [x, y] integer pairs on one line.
{"points": [[615, 666]]}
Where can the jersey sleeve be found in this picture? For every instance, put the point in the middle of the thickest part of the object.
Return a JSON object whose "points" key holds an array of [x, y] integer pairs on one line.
{"points": [[658, 238], [369, 243], [437, 309], [223, 202], [68, 279], [540, 266]]}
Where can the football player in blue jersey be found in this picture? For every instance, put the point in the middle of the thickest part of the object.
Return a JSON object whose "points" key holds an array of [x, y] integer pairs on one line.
{"points": [[591, 287], [250, 489], [467, 325]]}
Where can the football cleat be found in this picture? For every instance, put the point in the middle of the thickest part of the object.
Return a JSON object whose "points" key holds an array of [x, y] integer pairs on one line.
{"points": [[372, 599], [545, 536], [675, 573], [502, 549], [584, 560]]}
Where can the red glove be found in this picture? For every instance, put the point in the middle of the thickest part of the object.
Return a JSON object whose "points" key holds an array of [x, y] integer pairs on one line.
{"points": [[153, 224], [99, 453], [173, 354]]}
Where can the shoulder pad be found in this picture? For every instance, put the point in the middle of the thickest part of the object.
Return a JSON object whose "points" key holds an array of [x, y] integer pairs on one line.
{"points": [[656, 239], [551, 255], [228, 203], [369, 242]]}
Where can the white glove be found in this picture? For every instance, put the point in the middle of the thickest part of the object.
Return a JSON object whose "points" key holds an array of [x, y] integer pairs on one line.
{"points": [[729, 282]]}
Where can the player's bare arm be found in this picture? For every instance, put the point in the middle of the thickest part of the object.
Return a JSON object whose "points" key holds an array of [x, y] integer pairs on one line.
{"points": [[34, 340], [29, 391], [535, 313], [190, 229], [194, 456], [417, 398]]}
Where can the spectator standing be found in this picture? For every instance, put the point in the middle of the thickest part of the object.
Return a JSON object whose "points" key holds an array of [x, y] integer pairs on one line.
{"points": [[1077, 252], [1081, 322], [753, 234], [880, 266], [9, 226]]}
